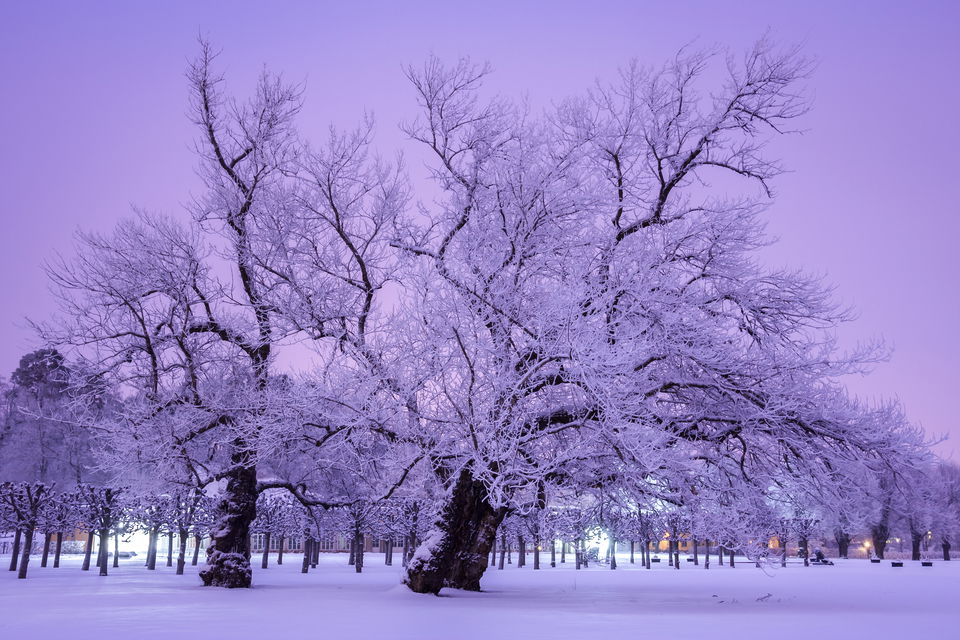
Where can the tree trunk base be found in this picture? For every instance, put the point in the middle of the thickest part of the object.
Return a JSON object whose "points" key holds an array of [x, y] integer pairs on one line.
{"points": [[230, 570], [455, 553]]}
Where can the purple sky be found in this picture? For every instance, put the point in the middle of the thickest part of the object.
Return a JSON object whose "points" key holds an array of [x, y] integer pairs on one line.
{"points": [[93, 102]]}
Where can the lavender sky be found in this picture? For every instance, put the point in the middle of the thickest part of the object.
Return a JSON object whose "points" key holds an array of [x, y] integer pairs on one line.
{"points": [[93, 103]]}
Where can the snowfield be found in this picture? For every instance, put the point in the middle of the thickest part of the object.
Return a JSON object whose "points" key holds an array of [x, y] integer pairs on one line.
{"points": [[851, 600]]}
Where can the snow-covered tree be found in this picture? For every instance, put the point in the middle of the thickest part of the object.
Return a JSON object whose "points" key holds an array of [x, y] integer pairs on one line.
{"points": [[592, 311]]}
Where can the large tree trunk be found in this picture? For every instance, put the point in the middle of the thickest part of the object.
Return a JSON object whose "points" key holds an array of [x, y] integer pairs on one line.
{"points": [[456, 551], [945, 546], [170, 548], [228, 556], [280, 551], [196, 550]]}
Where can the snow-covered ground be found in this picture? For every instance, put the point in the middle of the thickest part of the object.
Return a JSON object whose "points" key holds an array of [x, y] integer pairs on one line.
{"points": [[854, 599]]}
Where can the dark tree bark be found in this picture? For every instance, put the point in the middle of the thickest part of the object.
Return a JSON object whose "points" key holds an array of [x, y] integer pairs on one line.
{"points": [[170, 548], [503, 550], [151, 545], [843, 543], [104, 551], [266, 551], [101, 553], [879, 533], [197, 540], [25, 554], [733, 562], [47, 538], [181, 551], [15, 552], [945, 547], [353, 551], [706, 553], [307, 552], [613, 554], [696, 552], [280, 551], [563, 552], [59, 548], [116, 550], [228, 556], [154, 547], [521, 552], [805, 550], [553, 552], [916, 538], [358, 543], [455, 553], [87, 551], [631, 551]]}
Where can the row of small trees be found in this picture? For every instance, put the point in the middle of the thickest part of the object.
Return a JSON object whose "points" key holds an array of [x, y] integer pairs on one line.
{"points": [[28, 509]]}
